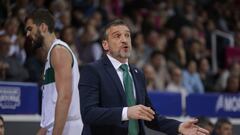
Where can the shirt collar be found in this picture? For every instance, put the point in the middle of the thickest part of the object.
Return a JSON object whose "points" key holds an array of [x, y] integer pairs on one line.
{"points": [[116, 64]]}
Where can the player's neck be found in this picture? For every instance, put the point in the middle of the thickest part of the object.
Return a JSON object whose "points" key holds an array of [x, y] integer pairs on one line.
{"points": [[48, 40]]}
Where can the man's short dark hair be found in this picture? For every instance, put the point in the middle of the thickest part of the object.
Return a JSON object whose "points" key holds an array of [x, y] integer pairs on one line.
{"points": [[40, 16], [115, 22]]}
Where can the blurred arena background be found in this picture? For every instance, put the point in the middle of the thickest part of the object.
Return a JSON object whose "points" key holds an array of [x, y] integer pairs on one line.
{"points": [[189, 51]]}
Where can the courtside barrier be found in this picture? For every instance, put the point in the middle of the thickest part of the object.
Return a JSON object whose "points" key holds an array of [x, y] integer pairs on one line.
{"points": [[19, 98]]}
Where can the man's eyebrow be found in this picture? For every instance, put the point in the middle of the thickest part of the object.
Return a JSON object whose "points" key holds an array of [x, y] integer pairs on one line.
{"points": [[118, 32], [115, 32], [128, 31]]}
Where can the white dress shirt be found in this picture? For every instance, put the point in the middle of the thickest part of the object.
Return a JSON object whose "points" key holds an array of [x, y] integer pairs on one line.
{"points": [[116, 64]]}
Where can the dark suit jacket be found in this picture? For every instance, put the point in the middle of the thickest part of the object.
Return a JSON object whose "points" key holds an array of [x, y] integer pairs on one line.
{"points": [[102, 99]]}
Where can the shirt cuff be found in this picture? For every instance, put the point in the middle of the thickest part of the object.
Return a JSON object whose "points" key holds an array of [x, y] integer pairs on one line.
{"points": [[124, 114]]}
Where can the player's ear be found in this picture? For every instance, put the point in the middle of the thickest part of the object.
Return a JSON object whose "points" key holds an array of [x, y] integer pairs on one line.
{"points": [[43, 27]]}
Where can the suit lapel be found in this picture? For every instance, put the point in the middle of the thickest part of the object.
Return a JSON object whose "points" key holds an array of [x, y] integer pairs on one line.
{"points": [[136, 81], [114, 76]]}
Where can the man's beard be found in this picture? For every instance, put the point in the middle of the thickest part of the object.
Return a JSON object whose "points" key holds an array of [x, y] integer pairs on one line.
{"points": [[38, 43], [121, 54], [124, 54]]}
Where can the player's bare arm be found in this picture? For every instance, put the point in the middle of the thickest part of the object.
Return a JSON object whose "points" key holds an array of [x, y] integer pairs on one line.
{"points": [[61, 61]]}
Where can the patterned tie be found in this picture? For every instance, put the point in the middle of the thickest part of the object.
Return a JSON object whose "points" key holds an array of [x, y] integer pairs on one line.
{"points": [[128, 85]]}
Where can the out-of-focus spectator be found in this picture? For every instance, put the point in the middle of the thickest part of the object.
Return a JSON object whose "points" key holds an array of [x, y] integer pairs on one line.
{"points": [[206, 75], [176, 53], [191, 79], [88, 46], [2, 126], [137, 19], [232, 84], [35, 4], [158, 61], [161, 42], [223, 126], [21, 14], [237, 37], [150, 74], [96, 20], [152, 39], [107, 7], [65, 18], [4, 47], [77, 17], [203, 50], [186, 35], [221, 82], [3, 15], [3, 69], [60, 10], [140, 52], [210, 28], [189, 11], [193, 51], [19, 4], [205, 123], [176, 84], [16, 49], [15, 71]]}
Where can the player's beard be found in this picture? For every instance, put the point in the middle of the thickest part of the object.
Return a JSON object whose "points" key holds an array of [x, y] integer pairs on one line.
{"points": [[39, 41]]}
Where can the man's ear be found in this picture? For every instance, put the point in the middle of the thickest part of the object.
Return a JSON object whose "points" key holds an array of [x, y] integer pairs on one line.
{"points": [[105, 45]]}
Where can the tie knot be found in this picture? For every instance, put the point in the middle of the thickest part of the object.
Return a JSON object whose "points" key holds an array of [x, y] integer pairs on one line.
{"points": [[124, 67]]}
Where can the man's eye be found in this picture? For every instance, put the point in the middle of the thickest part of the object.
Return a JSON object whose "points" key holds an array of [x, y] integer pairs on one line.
{"points": [[117, 36]]}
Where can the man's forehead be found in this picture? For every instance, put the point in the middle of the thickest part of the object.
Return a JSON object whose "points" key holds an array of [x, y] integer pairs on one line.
{"points": [[116, 28]]}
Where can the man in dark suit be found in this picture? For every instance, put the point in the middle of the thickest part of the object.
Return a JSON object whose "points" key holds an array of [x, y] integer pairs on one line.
{"points": [[113, 95]]}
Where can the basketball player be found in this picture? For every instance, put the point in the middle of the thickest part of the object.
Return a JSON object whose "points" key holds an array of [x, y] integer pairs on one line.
{"points": [[60, 100]]}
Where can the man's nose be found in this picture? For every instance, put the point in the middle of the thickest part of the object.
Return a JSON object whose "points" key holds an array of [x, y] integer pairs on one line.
{"points": [[123, 39]]}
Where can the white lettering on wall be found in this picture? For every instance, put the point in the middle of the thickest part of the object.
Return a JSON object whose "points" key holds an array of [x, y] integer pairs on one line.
{"points": [[228, 103], [10, 97]]}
